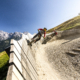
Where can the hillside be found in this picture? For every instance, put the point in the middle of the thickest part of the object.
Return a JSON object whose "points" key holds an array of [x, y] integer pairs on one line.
{"points": [[59, 59], [70, 24]]}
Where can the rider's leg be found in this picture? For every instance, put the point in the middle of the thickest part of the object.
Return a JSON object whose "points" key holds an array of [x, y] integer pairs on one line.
{"points": [[36, 35], [38, 38]]}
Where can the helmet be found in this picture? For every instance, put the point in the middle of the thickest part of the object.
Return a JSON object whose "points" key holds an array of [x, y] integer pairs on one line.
{"points": [[45, 29]]}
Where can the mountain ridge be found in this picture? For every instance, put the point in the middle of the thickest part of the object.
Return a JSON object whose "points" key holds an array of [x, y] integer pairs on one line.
{"points": [[16, 35]]}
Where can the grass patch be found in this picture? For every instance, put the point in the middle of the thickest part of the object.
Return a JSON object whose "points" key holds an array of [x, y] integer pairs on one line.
{"points": [[70, 27], [3, 65], [3, 59]]}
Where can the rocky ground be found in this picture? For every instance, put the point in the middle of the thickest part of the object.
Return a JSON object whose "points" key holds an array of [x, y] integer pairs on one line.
{"points": [[59, 59]]}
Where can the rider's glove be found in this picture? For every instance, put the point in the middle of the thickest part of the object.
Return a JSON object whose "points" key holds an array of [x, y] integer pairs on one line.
{"points": [[44, 37]]}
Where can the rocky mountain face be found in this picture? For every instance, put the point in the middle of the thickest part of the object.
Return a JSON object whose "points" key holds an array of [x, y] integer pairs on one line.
{"points": [[6, 37], [3, 35]]}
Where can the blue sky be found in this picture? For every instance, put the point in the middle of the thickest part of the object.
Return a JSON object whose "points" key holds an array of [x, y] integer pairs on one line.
{"points": [[29, 15]]}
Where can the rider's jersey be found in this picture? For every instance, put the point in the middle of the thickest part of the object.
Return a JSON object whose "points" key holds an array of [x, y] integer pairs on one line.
{"points": [[41, 31]]}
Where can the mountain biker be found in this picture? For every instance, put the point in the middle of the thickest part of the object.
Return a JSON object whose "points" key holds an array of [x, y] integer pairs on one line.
{"points": [[39, 34]]}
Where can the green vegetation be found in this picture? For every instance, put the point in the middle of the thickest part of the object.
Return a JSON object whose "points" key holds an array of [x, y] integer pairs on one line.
{"points": [[3, 65], [70, 24], [3, 59]]}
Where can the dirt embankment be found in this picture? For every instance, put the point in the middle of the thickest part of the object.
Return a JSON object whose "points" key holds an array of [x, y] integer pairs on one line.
{"points": [[59, 59], [65, 63]]}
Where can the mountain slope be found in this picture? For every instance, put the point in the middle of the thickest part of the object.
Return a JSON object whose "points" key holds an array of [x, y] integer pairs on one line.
{"points": [[70, 24]]}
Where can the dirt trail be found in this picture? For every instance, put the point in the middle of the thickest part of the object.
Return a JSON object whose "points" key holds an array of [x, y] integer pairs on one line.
{"points": [[44, 69], [52, 61]]}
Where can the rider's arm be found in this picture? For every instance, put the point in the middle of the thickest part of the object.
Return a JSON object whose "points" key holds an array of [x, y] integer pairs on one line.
{"points": [[40, 29]]}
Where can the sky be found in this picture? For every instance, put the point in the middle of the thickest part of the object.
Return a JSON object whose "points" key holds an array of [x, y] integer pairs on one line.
{"points": [[30, 15]]}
